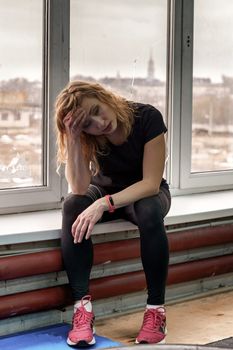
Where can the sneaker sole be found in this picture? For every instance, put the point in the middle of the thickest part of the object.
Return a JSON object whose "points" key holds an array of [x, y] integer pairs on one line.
{"points": [[81, 343], [163, 341], [145, 342]]}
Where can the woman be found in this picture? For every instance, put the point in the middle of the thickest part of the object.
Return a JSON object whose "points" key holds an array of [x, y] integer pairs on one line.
{"points": [[114, 152]]}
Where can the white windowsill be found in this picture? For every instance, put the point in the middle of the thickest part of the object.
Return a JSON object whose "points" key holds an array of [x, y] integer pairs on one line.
{"points": [[45, 225]]}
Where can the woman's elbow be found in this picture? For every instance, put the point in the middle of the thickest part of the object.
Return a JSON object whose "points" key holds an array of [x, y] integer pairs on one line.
{"points": [[79, 190], [156, 190], [152, 188]]}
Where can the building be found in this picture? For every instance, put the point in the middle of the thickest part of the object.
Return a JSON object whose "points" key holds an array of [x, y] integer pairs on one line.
{"points": [[15, 111]]}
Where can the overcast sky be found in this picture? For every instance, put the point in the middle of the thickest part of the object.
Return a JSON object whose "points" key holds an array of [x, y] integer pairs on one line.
{"points": [[110, 37]]}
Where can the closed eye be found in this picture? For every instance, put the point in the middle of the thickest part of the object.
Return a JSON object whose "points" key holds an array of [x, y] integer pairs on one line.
{"points": [[95, 110]]}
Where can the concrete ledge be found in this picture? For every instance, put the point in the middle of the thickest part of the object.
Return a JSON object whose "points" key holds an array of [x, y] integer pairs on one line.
{"points": [[45, 225]]}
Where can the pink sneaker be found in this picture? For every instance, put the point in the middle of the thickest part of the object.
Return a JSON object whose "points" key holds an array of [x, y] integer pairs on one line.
{"points": [[82, 333], [153, 330]]}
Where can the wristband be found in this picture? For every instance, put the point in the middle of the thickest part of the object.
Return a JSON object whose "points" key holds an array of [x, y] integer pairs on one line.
{"points": [[110, 203]]}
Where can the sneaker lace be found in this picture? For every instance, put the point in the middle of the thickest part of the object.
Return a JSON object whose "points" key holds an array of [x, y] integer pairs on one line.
{"points": [[153, 319], [82, 319]]}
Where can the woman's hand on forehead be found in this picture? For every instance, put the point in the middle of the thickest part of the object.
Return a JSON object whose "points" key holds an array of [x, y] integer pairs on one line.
{"points": [[74, 122]]}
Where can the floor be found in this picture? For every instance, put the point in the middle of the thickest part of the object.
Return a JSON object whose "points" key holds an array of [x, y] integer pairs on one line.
{"points": [[199, 321]]}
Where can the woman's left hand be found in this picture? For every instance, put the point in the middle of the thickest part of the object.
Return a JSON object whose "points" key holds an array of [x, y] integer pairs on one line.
{"points": [[83, 225]]}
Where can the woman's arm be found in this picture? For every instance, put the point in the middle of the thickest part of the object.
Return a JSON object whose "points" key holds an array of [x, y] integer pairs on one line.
{"points": [[153, 167], [77, 169]]}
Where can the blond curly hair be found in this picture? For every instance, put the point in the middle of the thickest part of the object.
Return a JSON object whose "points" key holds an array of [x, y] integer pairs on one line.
{"points": [[69, 99]]}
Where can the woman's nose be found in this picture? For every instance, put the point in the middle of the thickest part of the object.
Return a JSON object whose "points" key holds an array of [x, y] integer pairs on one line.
{"points": [[99, 122]]}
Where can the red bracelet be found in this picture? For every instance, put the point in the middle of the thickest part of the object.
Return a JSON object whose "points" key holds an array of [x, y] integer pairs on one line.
{"points": [[110, 203]]}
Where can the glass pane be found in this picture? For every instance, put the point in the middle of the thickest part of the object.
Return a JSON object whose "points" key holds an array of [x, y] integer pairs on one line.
{"points": [[212, 128], [122, 45], [20, 93]]}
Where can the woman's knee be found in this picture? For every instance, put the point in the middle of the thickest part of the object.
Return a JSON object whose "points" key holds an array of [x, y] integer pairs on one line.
{"points": [[75, 203], [149, 211]]}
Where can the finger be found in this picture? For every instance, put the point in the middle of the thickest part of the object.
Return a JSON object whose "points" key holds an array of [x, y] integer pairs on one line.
{"points": [[78, 114], [67, 118], [77, 228], [78, 122], [74, 226], [78, 111], [75, 124], [82, 231], [89, 230], [68, 115], [73, 117], [67, 123]]}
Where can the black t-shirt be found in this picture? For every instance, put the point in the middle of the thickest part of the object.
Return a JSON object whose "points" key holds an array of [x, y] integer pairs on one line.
{"points": [[121, 166]]}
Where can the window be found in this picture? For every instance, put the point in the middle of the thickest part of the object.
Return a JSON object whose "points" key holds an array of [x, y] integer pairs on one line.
{"points": [[212, 126], [158, 52], [28, 87], [123, 46], [4, 116], [21, 90], [17, 116], [207, 100]]}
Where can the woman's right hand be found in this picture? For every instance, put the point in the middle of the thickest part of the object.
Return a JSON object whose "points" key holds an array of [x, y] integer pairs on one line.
{"points": [[73, 122]]}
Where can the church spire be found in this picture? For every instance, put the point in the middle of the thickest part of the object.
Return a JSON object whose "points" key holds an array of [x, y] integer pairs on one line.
{"points": [[150, 68]]}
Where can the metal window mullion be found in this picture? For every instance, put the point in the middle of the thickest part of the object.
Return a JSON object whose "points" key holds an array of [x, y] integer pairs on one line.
{"points": [[174, 108], [186, 92], [193, 182], [58, 61], [44, 173]]}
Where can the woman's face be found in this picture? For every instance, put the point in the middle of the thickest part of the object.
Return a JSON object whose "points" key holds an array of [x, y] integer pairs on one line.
{"points": [[100, 118]]}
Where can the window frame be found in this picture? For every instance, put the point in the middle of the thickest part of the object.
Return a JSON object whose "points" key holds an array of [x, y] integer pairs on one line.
{"points": [[179, 110], [200, 181], [55, 59]]}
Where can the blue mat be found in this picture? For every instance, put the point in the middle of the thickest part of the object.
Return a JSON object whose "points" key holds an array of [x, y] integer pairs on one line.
{"points": [[48, 338]]}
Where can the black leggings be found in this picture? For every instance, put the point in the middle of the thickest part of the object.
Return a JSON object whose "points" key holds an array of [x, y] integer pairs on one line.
{"points": [[148, 213]]}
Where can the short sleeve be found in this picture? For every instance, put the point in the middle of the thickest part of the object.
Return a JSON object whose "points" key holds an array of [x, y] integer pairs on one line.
{"points": [[152, 123]]}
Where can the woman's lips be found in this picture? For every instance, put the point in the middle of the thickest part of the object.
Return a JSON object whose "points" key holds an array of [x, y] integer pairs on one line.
{"points": [[108, 128]]}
